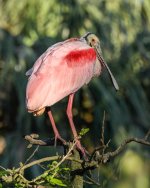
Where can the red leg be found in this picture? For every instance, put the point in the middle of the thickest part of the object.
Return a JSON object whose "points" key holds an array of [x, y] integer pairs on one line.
{"points": [[70, 117], [57, 135]]}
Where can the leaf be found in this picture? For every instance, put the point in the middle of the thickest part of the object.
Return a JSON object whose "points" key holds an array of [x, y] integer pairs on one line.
{"points": [[3, 172], [44, 174], [54, 163], [17, 185], [83, 131], [66, 169], [55, 181]]}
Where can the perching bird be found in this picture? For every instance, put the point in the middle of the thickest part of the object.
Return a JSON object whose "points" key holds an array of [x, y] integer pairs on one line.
{"points": [[61, 71]]}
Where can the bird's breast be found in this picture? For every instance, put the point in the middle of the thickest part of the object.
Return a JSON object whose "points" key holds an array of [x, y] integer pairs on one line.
{"points": [[97, 68]]}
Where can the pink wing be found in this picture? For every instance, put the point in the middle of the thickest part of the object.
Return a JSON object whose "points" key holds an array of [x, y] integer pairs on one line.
{"points": [[60, 71]]}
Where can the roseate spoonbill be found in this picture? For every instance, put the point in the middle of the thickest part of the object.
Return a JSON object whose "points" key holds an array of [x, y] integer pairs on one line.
{"points": [[61, 71]]}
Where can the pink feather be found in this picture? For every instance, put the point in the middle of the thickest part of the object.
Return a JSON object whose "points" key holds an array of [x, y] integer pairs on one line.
{"points": [[63, 69]]}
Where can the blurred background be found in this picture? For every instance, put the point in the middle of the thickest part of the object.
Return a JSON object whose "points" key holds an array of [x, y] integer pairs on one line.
{"points": [[27, 29]]}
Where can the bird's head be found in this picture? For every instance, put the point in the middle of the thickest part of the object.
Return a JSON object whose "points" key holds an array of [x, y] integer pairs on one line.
{"points": [[93, 41]]}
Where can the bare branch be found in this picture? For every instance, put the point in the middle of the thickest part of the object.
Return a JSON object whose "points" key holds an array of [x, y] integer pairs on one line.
{"points": [[36, 149], [53, 158], [3, 168], [147, 135], [127, 141], [106, 157], [92, 181], [48, 142], [102, 146], [103, 130]]}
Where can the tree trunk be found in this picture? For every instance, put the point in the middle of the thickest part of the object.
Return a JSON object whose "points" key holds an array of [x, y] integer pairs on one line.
{"points": [[77, 176]]}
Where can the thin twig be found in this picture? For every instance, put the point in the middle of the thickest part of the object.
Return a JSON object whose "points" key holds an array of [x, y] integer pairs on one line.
{"points": [[102, 140], [87, 182], [39, 161], [46, 159], [42, 166], [103, 130], [30, 157], [65, 157], [92, 181], [147, 135], [3, 168], [107, 145]]}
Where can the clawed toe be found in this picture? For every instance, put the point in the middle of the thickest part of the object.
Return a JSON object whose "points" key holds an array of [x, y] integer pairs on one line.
{"points": [[82, 150], [59, 140]]}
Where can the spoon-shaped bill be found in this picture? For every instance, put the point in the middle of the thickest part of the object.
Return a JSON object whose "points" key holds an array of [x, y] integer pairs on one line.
{"points": [[109, 71], [112, 77]]}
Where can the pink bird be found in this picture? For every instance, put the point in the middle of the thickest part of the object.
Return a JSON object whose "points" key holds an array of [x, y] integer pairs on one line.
{"points": [[61, 71]]}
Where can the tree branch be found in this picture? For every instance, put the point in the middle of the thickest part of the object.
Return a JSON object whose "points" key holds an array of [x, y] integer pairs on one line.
{"points": [[98, 157], [106, 157], [33, 140]]}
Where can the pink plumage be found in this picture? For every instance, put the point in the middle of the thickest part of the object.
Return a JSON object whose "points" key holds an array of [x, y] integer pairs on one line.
{"points": [[61, 70]]}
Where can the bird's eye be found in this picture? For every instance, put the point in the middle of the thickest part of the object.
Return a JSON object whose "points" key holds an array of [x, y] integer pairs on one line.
{"points": [[93, 40]]}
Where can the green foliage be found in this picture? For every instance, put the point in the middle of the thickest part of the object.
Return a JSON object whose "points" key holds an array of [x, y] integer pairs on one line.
{"points": [[18, 185], [55, 175], [55, 181], [83, 131], [3, 172]]}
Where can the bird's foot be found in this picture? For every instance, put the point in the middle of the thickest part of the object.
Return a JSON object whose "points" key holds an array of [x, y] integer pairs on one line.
{"points": [[83, 151], [59, 139]]}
